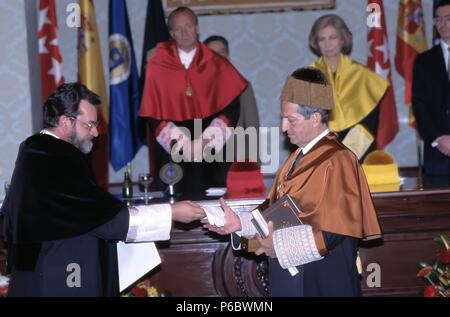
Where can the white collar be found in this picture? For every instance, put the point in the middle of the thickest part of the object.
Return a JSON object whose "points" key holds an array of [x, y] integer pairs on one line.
{"points": [[445, 52], [45, 131], [444, 46], [313, 142], [186, 57]]}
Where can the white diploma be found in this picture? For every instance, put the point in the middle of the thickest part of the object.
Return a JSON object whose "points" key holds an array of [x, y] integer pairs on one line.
{"points": [[135, 260]]}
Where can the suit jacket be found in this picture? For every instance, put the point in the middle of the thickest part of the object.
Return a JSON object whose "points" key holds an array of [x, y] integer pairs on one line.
{"points": [[431, 106]]}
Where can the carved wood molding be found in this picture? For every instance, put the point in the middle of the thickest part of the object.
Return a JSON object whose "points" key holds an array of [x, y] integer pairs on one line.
{"points": [[236, 274]]}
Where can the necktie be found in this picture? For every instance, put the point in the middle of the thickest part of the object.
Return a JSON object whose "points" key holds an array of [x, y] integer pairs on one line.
{"points": [[296, 162], [448, 64]]}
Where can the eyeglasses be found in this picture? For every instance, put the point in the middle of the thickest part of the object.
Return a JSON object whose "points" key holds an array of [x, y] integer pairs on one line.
{"points": [[439, 19], [88, 125]]}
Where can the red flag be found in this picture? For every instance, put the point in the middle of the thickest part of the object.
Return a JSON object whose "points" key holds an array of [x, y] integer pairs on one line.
{"points": [[50, 58], [90, 72], [411, 40], [379, 61]]}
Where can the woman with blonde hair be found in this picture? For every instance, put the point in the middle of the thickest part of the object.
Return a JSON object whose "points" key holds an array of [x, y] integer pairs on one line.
{"points": [[357, 90]]}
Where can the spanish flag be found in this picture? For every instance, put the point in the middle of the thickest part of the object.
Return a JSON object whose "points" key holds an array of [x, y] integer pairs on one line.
{"points": [[49, 55], [380, 62], [411, 40], [90, 73]]}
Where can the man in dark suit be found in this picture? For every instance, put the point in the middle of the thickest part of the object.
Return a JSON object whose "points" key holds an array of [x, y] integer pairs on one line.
{"points": [[431, 97]]}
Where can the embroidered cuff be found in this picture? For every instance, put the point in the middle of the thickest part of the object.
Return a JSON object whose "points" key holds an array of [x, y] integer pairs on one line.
{"points": [[149, 223], [218, 133], [295, 246], [171, 132], [247, 229]]}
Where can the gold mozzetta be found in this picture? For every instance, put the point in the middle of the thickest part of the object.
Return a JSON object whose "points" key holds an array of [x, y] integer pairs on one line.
{"points": [[381, 172], [357, 91], [358, 140]]}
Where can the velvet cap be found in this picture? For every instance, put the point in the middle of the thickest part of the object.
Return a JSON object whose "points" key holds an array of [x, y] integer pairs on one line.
{"points": [[308, 94]]}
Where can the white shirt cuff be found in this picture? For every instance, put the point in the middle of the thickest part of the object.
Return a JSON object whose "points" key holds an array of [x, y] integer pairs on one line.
{"points": [[172, 132], [247, 229], [149, 223], [218, 132]]}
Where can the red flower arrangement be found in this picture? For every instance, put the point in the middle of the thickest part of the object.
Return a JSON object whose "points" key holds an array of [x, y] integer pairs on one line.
{"points": [[438, 275], [142, 288]]}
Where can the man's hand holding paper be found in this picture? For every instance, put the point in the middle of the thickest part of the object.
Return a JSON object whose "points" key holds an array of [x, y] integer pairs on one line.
{"points": [[226, 221]]}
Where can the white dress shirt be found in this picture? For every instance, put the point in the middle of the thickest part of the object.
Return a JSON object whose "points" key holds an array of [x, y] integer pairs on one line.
{"points": [[445, 47], [186, 57]]}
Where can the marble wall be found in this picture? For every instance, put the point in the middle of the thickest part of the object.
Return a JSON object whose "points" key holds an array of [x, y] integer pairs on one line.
{"points": [[265, 47]]}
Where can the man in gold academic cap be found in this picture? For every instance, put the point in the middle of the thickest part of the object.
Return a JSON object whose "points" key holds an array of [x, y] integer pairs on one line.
{"points": [[328, 185]]}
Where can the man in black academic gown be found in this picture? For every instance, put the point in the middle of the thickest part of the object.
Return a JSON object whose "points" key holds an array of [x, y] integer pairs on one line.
{"points": [[58, 221]]}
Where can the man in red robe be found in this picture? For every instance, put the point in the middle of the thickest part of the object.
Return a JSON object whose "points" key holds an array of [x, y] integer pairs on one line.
{"points": [[191, 97]]}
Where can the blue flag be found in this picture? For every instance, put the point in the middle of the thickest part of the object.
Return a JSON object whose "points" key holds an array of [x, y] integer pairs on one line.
{"points": [[124, 88]]}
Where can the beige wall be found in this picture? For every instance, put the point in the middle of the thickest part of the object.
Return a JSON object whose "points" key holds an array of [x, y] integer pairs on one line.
{"points": [[265, 47]]}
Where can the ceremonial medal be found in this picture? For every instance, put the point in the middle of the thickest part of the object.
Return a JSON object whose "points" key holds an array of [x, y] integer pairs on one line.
{"points": [[189, 91]]}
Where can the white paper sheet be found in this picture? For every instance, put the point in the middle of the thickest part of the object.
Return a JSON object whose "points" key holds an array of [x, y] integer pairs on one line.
{"points": [[215, 215], [135, 260]]}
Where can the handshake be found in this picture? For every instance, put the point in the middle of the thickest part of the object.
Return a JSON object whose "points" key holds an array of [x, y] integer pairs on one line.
{"points": [[187, 211], [221, 220]]}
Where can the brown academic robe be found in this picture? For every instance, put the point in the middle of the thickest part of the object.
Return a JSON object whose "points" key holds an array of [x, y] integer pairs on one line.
{"points": [[331, 191]]}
